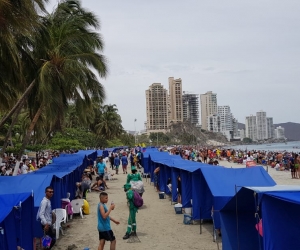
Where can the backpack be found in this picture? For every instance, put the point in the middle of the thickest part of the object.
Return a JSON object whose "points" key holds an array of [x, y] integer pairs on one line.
{"points": [[137, 199]]}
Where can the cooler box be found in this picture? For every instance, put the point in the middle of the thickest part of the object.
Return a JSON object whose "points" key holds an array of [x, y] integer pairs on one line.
{"points": [[162, 195], [178, 208]]}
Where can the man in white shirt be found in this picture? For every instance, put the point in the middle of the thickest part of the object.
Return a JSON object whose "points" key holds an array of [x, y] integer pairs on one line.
{"points": [[46, 216], [24, 168]]}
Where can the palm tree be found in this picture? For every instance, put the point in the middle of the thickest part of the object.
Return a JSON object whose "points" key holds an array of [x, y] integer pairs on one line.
{"points": [[65, 63], [110, 123], [18, 21]]}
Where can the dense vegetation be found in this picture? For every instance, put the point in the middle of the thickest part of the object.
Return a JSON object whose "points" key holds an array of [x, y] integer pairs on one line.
{"points": [[50, 65]]}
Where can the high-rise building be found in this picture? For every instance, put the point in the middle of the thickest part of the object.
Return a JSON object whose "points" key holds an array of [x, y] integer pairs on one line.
{"points": [[261, 125], [157, 109], [226, 118], [250, 127], [209, 107], [214, 123], [190, 107], [279, 133], [270, 127], [226, 121], [175, 99]]}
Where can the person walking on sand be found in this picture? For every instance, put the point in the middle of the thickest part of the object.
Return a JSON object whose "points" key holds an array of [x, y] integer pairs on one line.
{"points": [[117, 163], [131, 227], [124, 161], [105, 232]]}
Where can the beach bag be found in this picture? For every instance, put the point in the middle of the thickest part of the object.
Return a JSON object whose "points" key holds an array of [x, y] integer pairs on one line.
{"points": [[137, 199], [46, 241]]}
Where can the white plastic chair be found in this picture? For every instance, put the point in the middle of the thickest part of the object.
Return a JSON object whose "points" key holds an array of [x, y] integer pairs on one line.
{"points": [[61, 216], [77, 207]]}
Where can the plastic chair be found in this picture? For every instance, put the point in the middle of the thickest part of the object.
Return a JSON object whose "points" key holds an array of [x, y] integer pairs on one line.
{"points": [[77, 207], [61, 216]]}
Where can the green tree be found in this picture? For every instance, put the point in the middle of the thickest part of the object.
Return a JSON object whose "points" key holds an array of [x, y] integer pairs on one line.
{"points": [[65, 72], [247, 140], [109, 124], [19, 20]]}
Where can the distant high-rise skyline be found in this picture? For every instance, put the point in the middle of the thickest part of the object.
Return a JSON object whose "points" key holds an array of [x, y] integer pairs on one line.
{"points": [[259, 127]]}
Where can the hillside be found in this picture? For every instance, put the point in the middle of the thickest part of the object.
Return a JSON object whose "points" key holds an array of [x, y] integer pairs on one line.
{"points": [[292, 130]]}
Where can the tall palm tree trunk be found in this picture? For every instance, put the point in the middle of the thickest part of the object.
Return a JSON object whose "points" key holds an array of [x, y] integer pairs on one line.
{"points": [[27, 138], [20, 102]]}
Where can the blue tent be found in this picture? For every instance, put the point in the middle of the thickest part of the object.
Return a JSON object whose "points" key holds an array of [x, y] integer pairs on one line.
{"points": [[61, 175], [15, 215], [220, 186], [278, 206], [99, 153], [145, 159]]}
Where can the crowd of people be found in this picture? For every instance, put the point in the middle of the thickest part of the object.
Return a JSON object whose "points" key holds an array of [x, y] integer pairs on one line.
{"points": [[281, 161], [28, 163]]}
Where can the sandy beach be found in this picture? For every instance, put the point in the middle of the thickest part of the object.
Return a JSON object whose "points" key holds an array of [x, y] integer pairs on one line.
{"points": [[158, 227]]}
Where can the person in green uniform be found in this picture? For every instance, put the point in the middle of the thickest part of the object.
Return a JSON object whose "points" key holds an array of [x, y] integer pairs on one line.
{"points": [[134, 176], [131, 227]]}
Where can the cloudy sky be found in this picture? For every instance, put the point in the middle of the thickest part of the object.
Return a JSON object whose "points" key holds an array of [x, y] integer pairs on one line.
{"points": [[248, 52]]}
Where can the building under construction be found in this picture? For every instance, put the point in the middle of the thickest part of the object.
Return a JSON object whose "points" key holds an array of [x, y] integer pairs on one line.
{"points": [[190, 105]]}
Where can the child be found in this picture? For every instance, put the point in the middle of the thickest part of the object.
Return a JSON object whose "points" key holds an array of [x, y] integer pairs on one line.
{"points": [[105, 232]]}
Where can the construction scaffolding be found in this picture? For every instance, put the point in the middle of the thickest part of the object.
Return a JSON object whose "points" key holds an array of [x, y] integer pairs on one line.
{"points": [[190, 105]]}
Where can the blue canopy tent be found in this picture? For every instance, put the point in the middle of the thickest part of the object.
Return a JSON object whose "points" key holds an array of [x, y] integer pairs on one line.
{"points": [[15, 216], [61, 175], [222, 184], [99, 153], [278, 206], [155, 158], [28, 183], [145, 159]]}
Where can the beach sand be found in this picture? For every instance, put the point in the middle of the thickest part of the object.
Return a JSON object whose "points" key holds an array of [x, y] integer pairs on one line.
{"points": [[158, 227]]}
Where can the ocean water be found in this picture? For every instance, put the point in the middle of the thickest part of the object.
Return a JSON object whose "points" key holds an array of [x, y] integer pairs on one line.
{"points": [[289, 146]]}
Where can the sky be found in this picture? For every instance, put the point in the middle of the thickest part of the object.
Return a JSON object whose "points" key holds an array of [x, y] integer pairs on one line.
{"points": [[248, 52]]}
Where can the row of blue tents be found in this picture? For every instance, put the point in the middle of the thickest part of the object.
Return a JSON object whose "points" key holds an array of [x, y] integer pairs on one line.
{"points": [[20, 196], [238, 198]]}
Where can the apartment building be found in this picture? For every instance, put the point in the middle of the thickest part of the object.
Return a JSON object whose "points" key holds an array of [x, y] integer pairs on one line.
{"points": [[190, 107], [279, 133], [209, 107], [175, 100], [157, 108], [250, 127], [214, 123], [261, 125], [226, 118], [270, 128]]}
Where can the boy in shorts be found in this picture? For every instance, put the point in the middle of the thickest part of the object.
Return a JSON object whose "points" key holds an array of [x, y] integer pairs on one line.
{"points": [[105, 232]]}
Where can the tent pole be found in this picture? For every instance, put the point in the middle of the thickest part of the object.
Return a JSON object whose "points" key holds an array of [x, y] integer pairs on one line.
{"points": [[237, 219], [200, 222]]}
